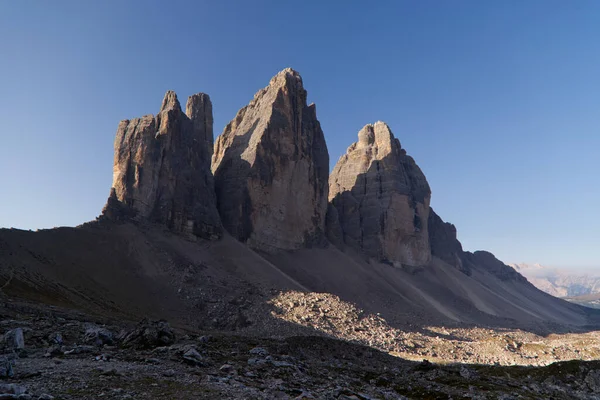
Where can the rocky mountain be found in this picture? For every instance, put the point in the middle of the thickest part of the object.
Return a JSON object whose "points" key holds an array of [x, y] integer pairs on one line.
{"points": [[560, 282], [272, 247], [376, 243], [161, 171], [382, 199], [271, 169], [444, 242]]}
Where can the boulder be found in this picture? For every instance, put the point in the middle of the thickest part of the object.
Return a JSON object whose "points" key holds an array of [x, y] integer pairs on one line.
{"points": [[98, 336], [271, 167], [14, 339], [161, 169], [149, 334], [382, 199]]}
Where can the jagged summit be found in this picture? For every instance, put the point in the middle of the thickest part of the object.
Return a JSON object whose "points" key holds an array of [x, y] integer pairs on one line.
{"points": [[377, 135], [161, 169], [271, 169], [382, 198], [170, 102]]}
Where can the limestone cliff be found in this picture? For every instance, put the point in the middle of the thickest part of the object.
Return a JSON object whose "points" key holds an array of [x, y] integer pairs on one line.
{"points": [[271, 169], [382, 199], [161, 170]]}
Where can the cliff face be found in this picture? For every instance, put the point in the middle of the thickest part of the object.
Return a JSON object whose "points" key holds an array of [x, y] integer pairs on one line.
{"points": [[444, 243], [161, 169], [382, 199], [271, 169]]}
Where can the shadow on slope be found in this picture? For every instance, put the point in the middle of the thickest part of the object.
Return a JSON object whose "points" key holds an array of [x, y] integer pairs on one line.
{"points": [[130, 271]]}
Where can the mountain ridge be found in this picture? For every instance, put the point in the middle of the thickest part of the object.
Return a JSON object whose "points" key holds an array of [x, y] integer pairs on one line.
{"points": [[220, 255], [560, 282]]}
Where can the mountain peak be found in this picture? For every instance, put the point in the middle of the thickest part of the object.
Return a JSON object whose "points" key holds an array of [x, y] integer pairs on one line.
{"points": [[382, 199], [271, 167], [161, 170], [170, 102]]}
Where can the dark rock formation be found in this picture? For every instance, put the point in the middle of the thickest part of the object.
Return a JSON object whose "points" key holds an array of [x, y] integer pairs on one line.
{"points": [[443, 242], [333, 228], [382, 199], [488, 262], [162, 172], [271, 169]]}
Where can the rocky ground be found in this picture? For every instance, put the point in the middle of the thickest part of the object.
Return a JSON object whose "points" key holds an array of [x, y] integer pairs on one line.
{"points": [[478, 345], [54, 353]]}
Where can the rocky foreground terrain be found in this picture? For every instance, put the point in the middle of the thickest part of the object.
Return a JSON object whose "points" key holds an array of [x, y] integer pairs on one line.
{"points": [[247, 270], [52, 353]]}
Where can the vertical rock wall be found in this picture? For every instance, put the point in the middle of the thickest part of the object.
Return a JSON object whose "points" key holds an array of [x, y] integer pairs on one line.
{"points": [[271, 168], [161, 169]]}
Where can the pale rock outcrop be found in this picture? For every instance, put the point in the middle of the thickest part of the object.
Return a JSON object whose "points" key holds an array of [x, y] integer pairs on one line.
{"points": [[161, 169], [382, 199], [271, 168]]}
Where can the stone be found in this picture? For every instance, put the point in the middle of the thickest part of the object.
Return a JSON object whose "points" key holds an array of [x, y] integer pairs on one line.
{"points": [[271, 168], [191, 356], [150, 334], [258, 363], [7, 363], [259, 351], [205, 339], [14, 339], [592, 379], [281, 364], [81, 350], [467, 373], [227, 368], [99, 336], [382, 199], [54, 350], [56, 338], [161, 169], [11, 388]]}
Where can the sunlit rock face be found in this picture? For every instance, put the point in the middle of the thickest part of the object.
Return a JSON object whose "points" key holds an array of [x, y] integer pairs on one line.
{"points": [[271, 168], [161, 170], [382, 199]]}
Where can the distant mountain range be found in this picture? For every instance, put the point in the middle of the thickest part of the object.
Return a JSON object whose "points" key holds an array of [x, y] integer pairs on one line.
{"points": [[561, 282]]}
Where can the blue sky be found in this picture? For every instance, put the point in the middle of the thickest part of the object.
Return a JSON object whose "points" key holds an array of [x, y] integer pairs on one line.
{"points": [[498, 101]]}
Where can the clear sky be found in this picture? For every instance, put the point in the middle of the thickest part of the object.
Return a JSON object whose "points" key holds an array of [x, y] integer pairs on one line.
{"points": [[498, 101]]}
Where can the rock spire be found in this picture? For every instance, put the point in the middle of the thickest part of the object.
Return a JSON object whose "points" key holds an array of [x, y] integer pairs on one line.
{"points": [[271, 168], [382, 199], [161, 170]]}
